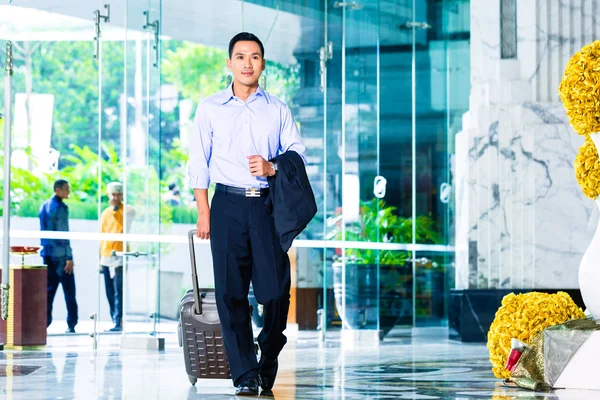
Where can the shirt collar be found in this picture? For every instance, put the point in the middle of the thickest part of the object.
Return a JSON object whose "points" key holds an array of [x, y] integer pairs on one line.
{"points": [[228, 94]]}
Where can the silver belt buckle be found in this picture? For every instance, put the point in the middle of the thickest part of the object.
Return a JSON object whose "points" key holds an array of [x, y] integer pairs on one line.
{"points": [[252, 192]]}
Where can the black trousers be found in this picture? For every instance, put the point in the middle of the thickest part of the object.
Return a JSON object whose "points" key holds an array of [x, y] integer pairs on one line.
{"points": [[57, 276], [114, 293], [246, 248]]}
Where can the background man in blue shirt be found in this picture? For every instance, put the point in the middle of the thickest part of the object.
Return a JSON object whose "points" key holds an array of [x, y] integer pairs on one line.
{"points": [[235, 133], [57, 253]]}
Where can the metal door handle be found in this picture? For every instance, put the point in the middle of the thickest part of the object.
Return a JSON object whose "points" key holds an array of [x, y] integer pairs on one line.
{"points": [[417, 25], [128, 253], [98, 19]]}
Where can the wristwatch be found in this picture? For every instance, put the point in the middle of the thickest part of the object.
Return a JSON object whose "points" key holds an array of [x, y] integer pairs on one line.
{"points": [[274, 166]]}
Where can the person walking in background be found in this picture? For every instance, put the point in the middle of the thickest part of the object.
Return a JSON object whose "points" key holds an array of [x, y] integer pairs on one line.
{"points": [[111, 221], [57, 253]]}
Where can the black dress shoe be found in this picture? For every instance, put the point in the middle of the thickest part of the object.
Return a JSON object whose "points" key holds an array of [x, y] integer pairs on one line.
{"points": [[267, 373], [248, 387]]}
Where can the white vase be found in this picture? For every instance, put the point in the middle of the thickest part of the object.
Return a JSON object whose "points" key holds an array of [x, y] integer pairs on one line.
{"points": [[589, 269]]}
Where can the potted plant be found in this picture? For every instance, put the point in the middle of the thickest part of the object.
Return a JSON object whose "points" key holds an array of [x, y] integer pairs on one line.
{"points": [[368, 296]]}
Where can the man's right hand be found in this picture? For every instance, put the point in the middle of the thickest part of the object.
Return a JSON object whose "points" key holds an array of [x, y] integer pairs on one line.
{"points": [[69, 267], [203, 226]]}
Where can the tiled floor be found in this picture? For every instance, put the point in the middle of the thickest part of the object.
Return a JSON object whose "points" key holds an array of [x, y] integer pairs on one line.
{"points": [[422, 367]]}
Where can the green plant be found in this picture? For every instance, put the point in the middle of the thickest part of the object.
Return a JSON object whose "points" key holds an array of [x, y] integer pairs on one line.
{"points": [[379, 222], [82, 171]]}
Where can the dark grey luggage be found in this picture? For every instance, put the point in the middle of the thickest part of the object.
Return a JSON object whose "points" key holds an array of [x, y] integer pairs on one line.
{"points": [[200, 330]]}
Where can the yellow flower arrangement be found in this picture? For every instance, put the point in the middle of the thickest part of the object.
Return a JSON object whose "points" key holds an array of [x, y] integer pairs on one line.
{"points": [[580, 89], [587, 168], [522, 317]]}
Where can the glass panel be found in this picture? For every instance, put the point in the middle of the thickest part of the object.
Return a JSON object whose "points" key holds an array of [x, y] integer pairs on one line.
{"points": [[110, 162], [434, 277], [332, 52], [440, 57], [360, 165], [140, 106], [55, 135], [55, 86], [141, 288], [395, 87]]}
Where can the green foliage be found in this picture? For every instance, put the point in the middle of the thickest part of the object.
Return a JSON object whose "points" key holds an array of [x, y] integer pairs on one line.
{"points": [[380, 223], [197, 71], [29, 207], [66, 70], [173, 164], [29, 190], [282, 81], [183, 215], [82, 171]]}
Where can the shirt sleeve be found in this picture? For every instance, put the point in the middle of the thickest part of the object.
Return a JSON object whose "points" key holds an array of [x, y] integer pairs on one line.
{"points": [[42, 215], [67, 241], [103, 222], [200, 150], [290, 138]]}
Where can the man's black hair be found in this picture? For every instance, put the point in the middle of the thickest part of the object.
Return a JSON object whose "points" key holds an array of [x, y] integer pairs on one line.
{"points": [[245, 37], [59, 184]]}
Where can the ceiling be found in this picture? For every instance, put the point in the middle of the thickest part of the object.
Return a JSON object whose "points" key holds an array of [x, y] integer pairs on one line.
{"points": [[214, 22], [210, 22]]}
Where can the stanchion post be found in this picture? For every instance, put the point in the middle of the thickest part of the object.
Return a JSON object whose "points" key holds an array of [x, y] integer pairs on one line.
{"points": [[8, 72]]}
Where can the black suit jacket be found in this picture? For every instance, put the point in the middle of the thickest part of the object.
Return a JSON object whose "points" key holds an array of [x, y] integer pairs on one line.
{"points": [[291, 199]]}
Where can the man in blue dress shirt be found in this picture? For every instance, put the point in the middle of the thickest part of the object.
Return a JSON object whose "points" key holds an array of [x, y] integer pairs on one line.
{"points": [[57, 253], [235, 133]]}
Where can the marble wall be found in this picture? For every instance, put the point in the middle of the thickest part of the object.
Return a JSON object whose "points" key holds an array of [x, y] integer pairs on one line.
{"points": [[522, 221]]}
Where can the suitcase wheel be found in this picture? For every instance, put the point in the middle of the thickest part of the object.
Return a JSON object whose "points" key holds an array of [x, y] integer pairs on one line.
{"points": [[193, 380]]}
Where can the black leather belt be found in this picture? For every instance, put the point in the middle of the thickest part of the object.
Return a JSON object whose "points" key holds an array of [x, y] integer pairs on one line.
{"points": [[246, 192]]}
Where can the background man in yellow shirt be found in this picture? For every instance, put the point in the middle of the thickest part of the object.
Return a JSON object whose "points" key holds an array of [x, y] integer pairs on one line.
{"points": [[111, 221]]}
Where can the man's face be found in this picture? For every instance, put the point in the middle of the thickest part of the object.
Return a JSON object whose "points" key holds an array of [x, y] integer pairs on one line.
{"points": [[63, 192], [116, 199], [246, 63]]}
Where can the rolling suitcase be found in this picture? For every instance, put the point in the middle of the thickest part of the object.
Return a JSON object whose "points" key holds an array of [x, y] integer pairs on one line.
{"points": [[200, 330]]}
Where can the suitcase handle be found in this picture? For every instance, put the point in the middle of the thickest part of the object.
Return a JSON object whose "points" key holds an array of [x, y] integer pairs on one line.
{"points": [[197, 294]]}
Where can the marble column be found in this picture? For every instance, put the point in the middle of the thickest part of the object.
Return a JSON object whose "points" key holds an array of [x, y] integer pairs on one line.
{"points": [[522, 220]]}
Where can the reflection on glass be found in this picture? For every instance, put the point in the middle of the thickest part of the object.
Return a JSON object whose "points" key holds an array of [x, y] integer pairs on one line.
{"points": [[434, 277]]}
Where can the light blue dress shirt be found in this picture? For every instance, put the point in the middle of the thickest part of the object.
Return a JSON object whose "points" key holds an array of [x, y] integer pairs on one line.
{"points": [[227, 130]]}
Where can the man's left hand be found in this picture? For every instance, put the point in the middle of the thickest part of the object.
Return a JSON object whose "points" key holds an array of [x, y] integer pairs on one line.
{"points": [[259, 166]]}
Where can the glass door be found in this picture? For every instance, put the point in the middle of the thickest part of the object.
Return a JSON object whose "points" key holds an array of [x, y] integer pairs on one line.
{"points": [[142, 106], [128, 57], [109, 55], [361, 262], [435, 28], [354, 183], [55, 136], [388, 131]]}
